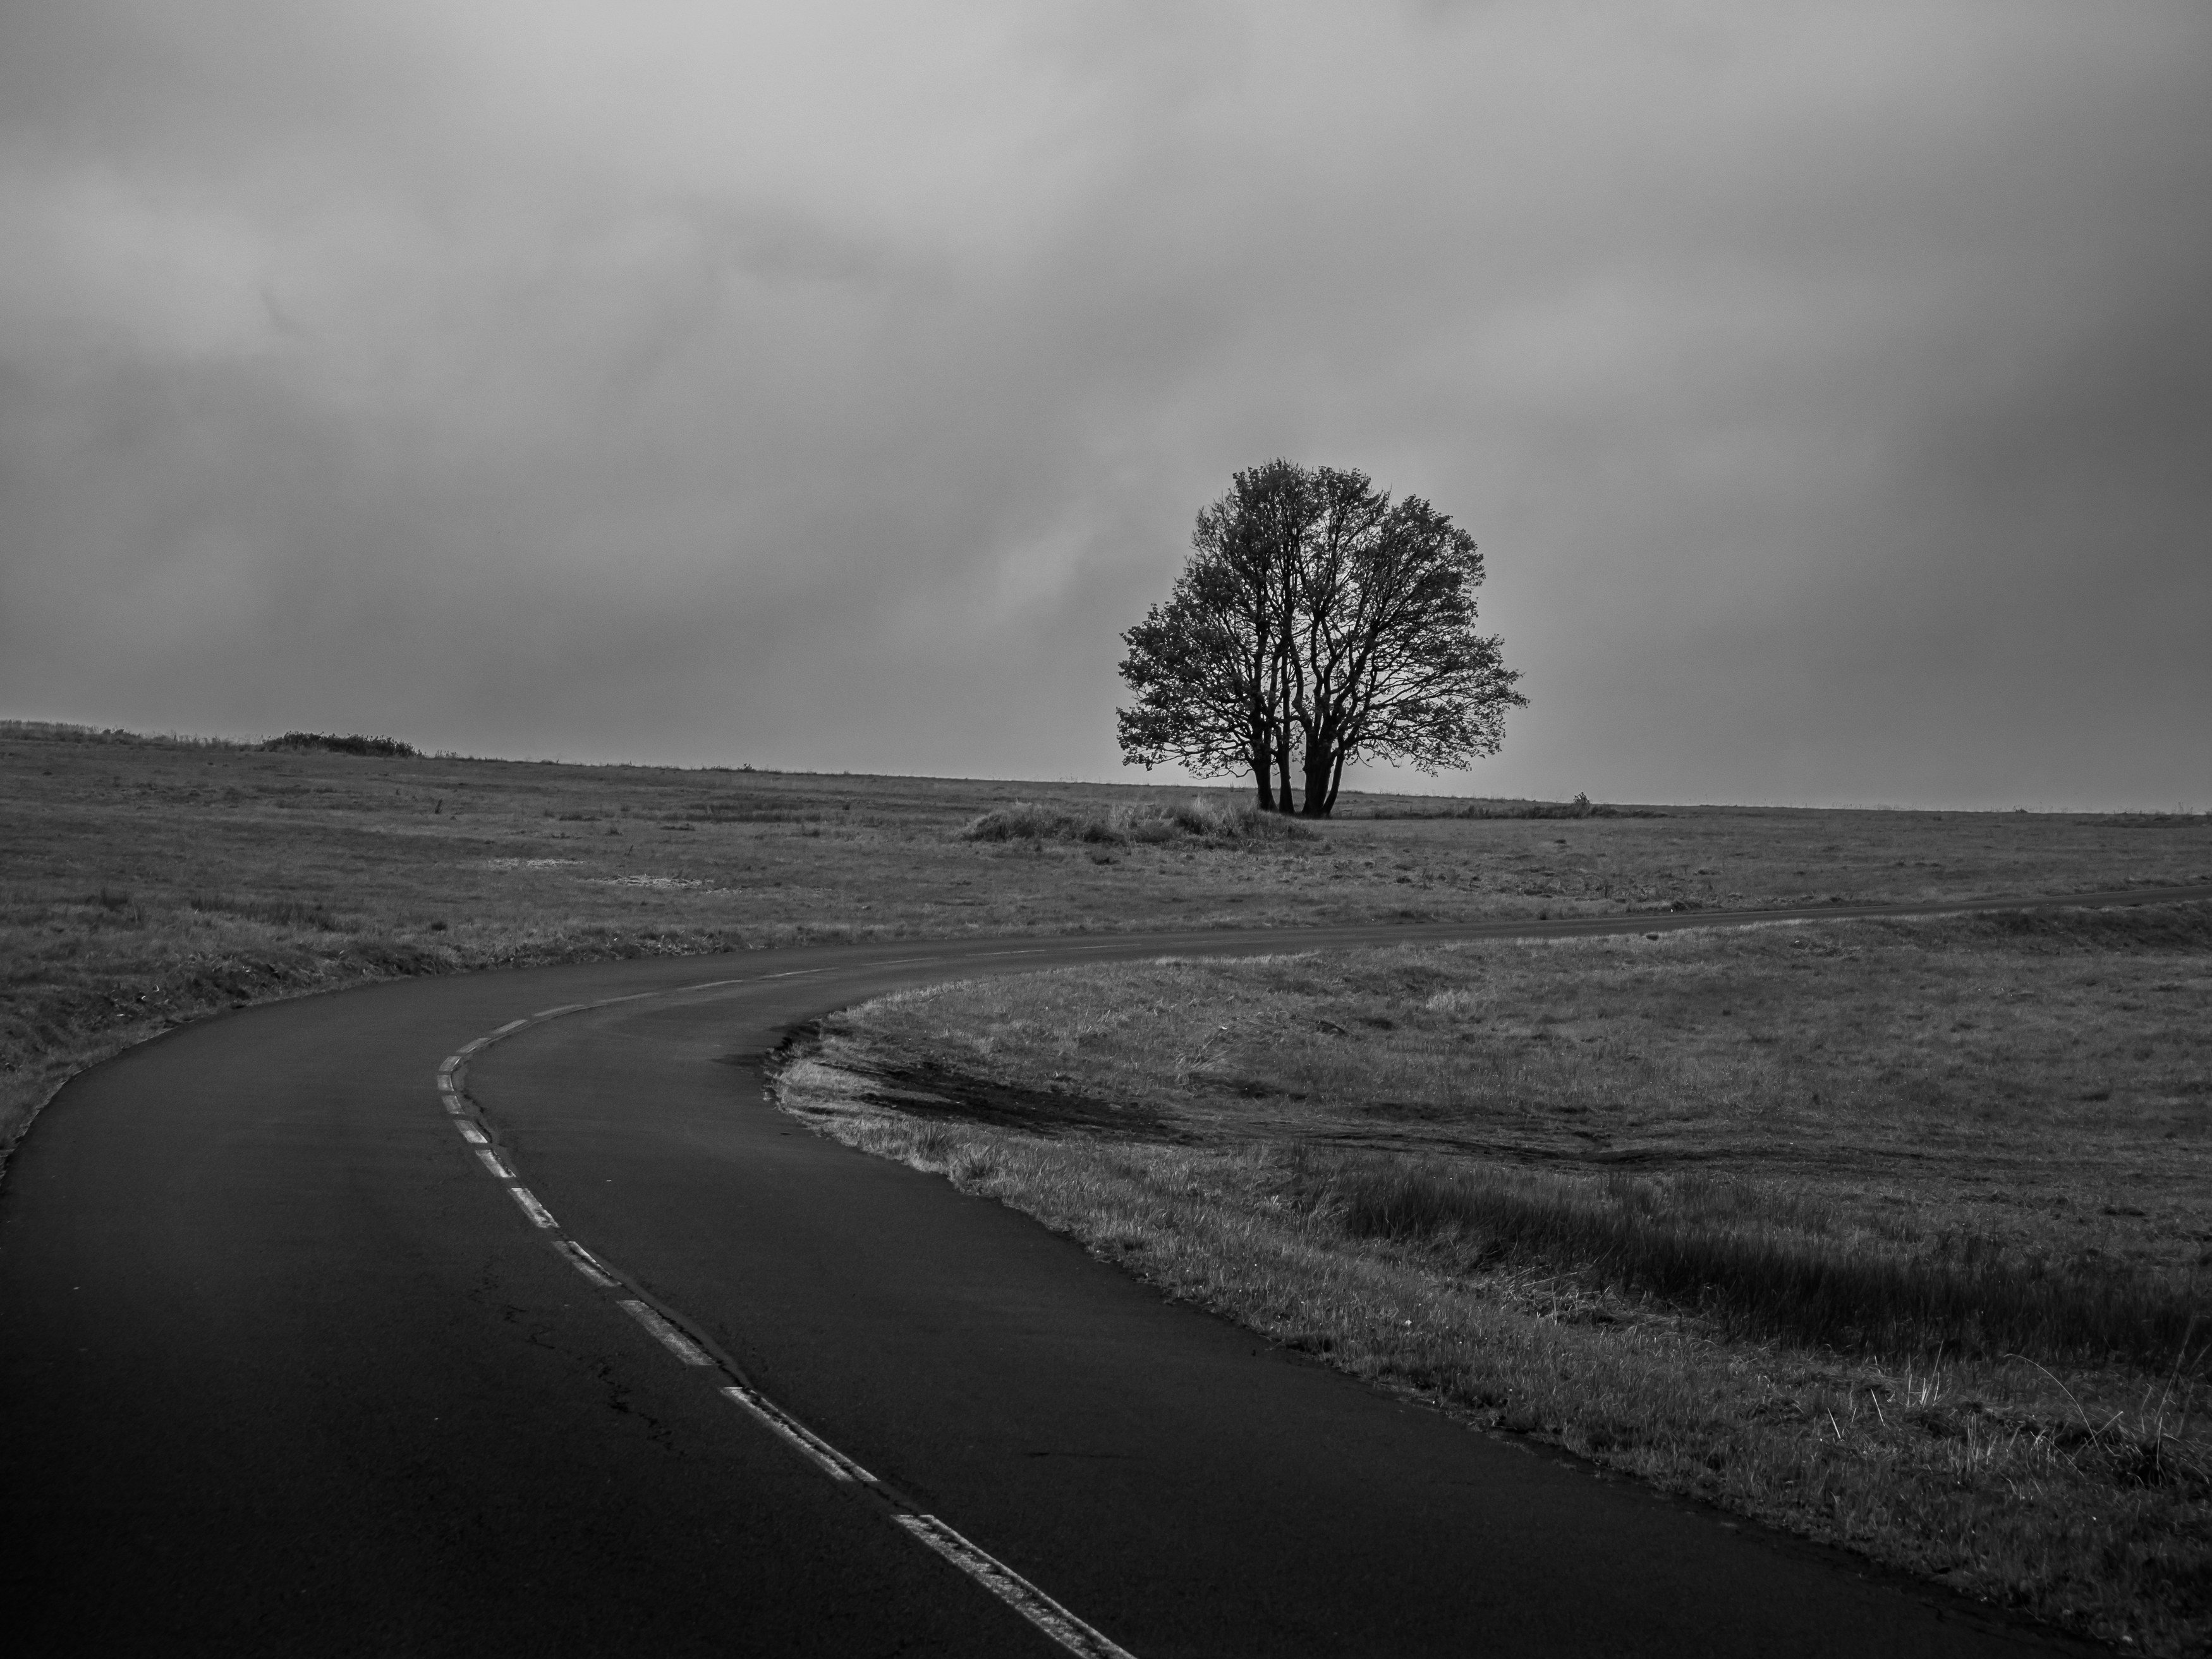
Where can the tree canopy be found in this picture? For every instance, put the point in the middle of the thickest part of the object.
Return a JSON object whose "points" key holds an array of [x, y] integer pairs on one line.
{"points": [[1316, 624]]}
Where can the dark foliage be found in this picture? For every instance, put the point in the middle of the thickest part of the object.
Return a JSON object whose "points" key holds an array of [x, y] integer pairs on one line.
{"points": [[379, 748]]}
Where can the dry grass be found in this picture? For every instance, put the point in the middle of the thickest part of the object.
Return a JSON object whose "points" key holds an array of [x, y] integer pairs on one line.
{"points": [[149, 880], [1897, 1234], [1755, 1261]]}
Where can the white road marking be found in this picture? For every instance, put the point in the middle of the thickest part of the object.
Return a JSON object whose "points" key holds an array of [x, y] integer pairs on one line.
{"points": [[589, 1257], [471, 1134], [672, 1338], [531, 1207], [587, 1264], [833, 1462], [490, 1159], [1016, 1591]]}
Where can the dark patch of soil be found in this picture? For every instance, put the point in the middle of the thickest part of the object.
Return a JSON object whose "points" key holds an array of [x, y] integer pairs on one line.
{"points": [[927, 1088]]}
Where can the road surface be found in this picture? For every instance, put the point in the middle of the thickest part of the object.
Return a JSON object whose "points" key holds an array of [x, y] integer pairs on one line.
{"points": [[380, 1323]]}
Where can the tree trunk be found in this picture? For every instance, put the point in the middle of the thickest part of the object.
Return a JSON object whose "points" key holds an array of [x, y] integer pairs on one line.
{"points": [[1320, 763], [1263, 769], [1335, 782]]}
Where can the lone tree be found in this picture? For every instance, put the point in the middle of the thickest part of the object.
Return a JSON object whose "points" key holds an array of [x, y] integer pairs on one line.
{"points": [[1316, 624]]}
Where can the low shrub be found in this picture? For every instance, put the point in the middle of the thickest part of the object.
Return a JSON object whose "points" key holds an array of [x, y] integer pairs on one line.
{"points": [[1213, 822]]}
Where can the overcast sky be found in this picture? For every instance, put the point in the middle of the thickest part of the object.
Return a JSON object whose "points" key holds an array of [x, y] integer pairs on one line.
{"points": [[827, 385]]}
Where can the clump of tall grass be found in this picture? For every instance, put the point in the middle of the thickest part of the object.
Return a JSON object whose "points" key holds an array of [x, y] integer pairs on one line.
{"points": [[1215, 822], [1761, 1264]]}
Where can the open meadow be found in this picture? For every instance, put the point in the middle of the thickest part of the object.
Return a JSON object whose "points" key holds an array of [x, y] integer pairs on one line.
{"points": [[1892, 1233], [148, 880], [1895, 1233]]}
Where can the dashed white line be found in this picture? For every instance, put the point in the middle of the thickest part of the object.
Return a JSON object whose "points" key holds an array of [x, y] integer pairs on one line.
{"points": [[1016, 1591], [1002, 1581], [833, 1462], [587, 1264], [672, 1338], [531, 1207]]}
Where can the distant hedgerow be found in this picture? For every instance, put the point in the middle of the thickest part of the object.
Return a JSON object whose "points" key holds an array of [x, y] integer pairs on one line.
{"points": [[1581, 806], [382, 748]]}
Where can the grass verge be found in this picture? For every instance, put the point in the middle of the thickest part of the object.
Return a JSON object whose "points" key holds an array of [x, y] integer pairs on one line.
{"points": [[1896, 1235]]}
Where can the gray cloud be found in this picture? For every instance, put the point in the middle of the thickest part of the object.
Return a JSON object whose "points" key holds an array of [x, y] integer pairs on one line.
{"points": [[827, 387]]}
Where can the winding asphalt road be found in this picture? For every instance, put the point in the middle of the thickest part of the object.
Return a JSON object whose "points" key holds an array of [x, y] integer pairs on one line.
{"points": [[380, 1323]]}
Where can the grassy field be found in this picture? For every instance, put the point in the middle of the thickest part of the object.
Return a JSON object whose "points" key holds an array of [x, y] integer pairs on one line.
{"points": [[1896, 1234], [148, 880]]}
